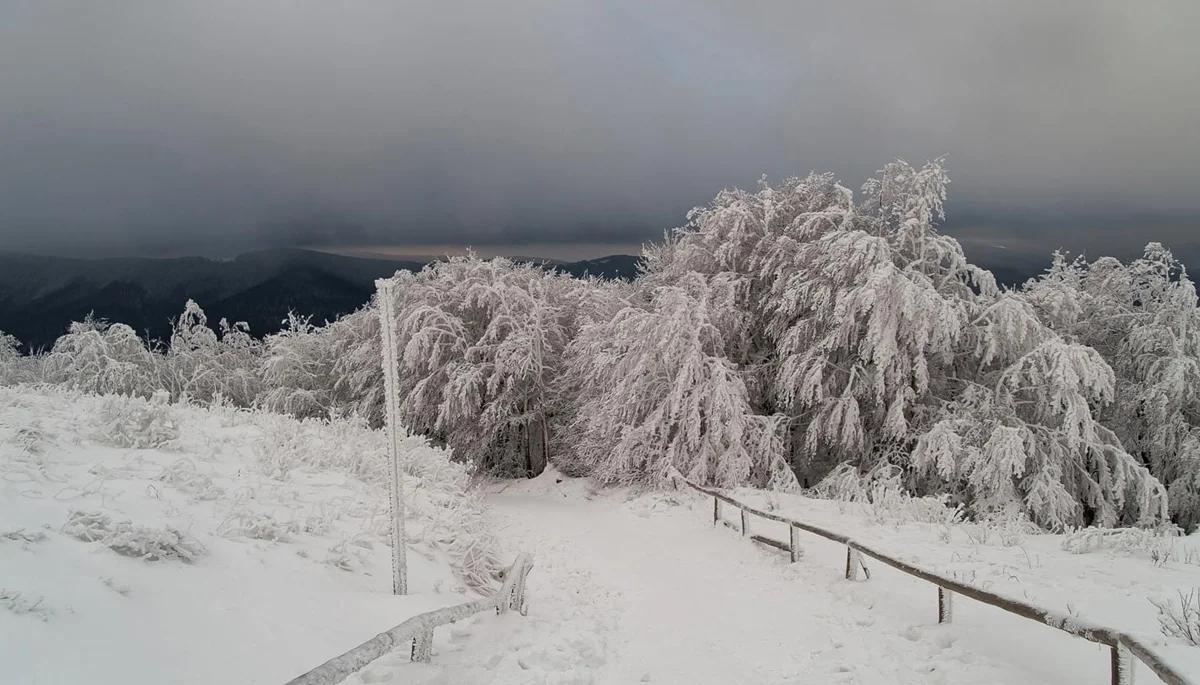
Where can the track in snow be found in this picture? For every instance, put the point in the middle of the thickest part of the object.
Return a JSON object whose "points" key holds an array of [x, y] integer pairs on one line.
{"points": [[648, 591]]}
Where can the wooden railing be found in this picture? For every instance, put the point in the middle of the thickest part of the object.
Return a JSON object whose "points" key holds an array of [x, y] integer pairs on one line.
{"points": [[1124, 647], [418, 630]]}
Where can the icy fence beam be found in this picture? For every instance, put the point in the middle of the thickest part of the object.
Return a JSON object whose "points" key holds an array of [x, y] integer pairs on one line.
{"points": [[1124, 647], [1154, 662], [418, 630]]}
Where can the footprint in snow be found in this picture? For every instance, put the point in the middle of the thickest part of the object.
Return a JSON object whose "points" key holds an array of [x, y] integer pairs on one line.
{"points": [[376, 676]]}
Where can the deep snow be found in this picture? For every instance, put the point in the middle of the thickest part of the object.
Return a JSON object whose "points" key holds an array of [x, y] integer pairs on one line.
{"points": [[296, 567], [625, 588]]}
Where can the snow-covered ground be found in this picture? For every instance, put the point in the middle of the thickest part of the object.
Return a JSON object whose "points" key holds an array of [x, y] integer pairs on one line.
{"points": [[270, 537], [272, 543], [630, 589]]}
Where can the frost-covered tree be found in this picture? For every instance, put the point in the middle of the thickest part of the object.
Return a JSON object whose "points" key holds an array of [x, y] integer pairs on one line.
{"points": [[782, 335], [353, 341], [869, 329], [658, 398], [480, 345], [1027, 439], [1143, 319]]}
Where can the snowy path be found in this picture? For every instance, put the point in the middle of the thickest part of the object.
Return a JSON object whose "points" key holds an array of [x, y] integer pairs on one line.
{"points": [[648, 591]]}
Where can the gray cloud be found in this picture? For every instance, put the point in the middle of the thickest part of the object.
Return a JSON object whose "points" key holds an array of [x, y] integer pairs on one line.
{"points": [[227, 124]]}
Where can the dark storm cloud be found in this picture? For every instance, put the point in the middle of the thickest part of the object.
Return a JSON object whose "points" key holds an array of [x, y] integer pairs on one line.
{"points": [[200, 125]]}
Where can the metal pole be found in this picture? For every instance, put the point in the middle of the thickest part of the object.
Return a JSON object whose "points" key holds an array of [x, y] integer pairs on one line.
{"points": [[387, 339]]}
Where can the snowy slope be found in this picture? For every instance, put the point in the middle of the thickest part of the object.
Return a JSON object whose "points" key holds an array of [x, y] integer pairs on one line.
{"points": [[631, 589], [270, 536]]}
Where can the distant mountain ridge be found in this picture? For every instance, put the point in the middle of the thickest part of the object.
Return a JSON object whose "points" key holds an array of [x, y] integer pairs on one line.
{"points": [[40, 296]]}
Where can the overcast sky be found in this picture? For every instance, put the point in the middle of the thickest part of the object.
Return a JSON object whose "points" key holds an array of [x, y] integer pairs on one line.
{"points": [[177, 127]]}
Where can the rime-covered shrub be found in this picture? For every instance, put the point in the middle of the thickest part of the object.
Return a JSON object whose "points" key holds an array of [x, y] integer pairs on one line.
{"points": [[201, 364], [105, 359], [445, 511], [127, 539], [16, 603], [257, 525], [138, 423], [295, 371], [1180, 618], [11, 362], [183, 475], [882, 494], [1158, 543]]}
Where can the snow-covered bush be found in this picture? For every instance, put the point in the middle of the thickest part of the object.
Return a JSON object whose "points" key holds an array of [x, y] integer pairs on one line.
{"points": [[98, 357], [445, 511], [16, 603], [1181, 618], [127, 539], [183, 475], [137, 423], [1158, 544], [200, 365], [882, 494], [257, 525], [10, 360], [296, 371]]}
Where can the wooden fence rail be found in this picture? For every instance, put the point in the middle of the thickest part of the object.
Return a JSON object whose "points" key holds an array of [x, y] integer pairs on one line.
{"points": [[418, 630], [1124, 647]]}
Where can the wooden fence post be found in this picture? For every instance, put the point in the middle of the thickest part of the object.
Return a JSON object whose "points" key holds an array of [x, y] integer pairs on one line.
{"points": [[852, 563], [945, 605], [794, 543], [743, 520], [422, 649], [716, 510], [1122, 665]]}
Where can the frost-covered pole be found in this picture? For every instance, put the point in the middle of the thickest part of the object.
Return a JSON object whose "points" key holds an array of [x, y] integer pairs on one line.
{"points": [[1122, 665], [387, 339]]}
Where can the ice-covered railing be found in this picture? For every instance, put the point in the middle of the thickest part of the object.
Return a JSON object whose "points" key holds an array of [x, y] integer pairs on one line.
{"points": [[418, 630], [1124, 647]]}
